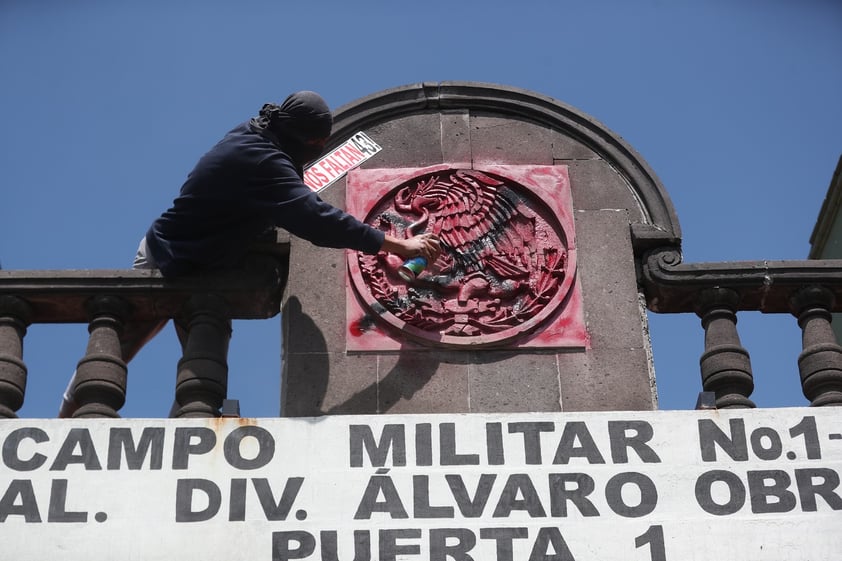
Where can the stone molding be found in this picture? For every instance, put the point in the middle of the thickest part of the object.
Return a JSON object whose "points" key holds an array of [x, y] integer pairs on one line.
{"points": [[660, 224], [671, 286]]}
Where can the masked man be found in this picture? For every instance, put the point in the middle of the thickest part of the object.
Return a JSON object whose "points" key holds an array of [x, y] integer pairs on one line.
{"points": [[251, 181]]}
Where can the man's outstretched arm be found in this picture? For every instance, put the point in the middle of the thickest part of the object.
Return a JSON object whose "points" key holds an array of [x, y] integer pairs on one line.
{"points": [[423, 245]]}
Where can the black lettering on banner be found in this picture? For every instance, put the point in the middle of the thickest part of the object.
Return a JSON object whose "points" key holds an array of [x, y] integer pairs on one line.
{"points": [[58, 510], [391, 503], [560, 494], [807, 428], [357, 141], [567, 448], [621, 441], [550, 546], [279, 510], [295, 544], [362, 541], [421, 507], [184, 447], [273, 510], [808, 490], [654, 537], [531, 438], [184, 493], [471, 507], [11, 456], [390, 549], [237, 500], [448, 455], [519, 485], [770, 451], [710, 435], [494, 444], [362, 545], [121, 440], [769, 491], [66, 455], [392, 439], [19, 500], [265, 447], [765, 442], [465, 540], [704, 492], [363, 144], [646, 487], [330, 545], [423, 444], [446, 544], [504, 538]]}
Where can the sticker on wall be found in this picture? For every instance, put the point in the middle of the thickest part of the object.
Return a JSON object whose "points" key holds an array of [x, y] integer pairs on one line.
{"points": [[506, 277], [340, 161]]}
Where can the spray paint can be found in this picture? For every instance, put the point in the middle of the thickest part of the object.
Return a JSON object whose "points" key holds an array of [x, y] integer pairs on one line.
{"points": [[411, 268]]}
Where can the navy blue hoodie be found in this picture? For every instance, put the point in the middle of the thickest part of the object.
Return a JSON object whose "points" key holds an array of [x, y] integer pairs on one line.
{"points": [[243, 186]]}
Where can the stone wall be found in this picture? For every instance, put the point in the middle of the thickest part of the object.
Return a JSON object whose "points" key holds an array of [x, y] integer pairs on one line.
{"points": [[619, 211]]}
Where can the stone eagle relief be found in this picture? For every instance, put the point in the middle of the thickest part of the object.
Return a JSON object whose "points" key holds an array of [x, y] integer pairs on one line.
{"points": [[506, 265]]}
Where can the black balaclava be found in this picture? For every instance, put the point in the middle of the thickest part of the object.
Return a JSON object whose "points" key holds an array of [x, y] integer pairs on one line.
{"points": [[303, 116]]}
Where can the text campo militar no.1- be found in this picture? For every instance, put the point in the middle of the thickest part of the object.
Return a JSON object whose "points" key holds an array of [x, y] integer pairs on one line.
{"points": [[448, 486]]}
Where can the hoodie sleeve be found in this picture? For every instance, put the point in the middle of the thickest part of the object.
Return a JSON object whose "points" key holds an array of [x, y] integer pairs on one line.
{"points": [[297, 209]]}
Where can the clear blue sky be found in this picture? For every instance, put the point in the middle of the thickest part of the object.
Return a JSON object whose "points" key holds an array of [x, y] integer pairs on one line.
{"points": [[106, 105]]}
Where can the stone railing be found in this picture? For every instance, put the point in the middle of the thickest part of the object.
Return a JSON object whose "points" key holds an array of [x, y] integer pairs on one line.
{"points": [[108, 299], [810, 290]]}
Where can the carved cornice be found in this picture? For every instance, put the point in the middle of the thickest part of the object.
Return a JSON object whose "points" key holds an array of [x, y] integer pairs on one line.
{"points": [[766, 286]]}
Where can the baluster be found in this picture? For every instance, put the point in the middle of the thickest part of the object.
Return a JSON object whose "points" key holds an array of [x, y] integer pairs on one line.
{"points": [[202, 379], [820, 362], [725, 364], [15, 315], [101, 374]]}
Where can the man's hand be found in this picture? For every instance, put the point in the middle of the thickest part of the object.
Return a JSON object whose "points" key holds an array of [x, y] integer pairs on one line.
{"points": [[423, 245]]}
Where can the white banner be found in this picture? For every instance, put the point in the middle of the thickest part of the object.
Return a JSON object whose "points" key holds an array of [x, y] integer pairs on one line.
{"points": [[747, 485], [340, 161]]}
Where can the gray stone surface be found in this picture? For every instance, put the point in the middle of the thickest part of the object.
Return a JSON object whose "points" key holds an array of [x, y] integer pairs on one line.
{"points": [[566, 147], [421, 383], [316, 299], [612, 374], [596, 185], [509, 382], [413, 141], [497, 140], [329, 383], [609, 285], [608, 380], [456, 136]]}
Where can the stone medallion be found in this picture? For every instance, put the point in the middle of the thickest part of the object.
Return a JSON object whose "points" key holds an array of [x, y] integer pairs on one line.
{"points": [[506, 275]]}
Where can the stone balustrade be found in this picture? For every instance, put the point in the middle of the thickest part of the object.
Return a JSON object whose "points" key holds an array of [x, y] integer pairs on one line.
{"points": [[810, 290], [106, 300]]}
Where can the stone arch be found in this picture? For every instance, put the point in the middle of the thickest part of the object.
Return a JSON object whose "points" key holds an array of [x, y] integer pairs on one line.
{"points": [[652, 217]]}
